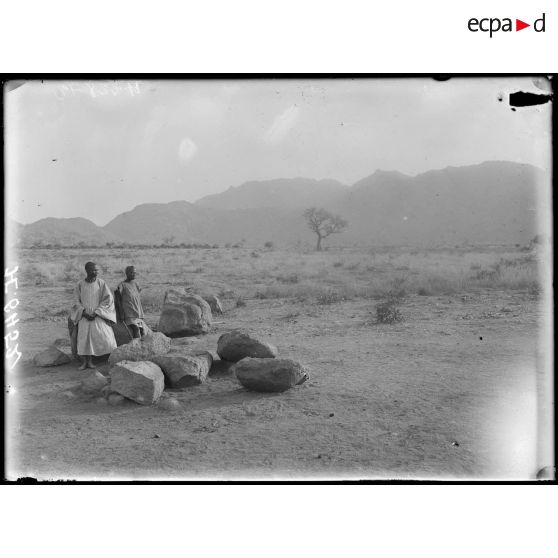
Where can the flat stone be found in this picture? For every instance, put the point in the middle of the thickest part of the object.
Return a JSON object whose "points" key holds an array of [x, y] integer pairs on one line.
{"points": [[270, 375], [51, 357], [142, 382], [238, 344], [143, 348]]}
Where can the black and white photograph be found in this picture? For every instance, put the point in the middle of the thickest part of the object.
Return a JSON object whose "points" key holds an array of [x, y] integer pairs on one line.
{"points": [[259, 278]]}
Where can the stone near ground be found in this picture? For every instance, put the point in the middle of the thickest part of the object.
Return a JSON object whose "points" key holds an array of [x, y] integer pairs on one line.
{"points": [[270, 375], [142, 382], [184, 314], [52, 356], [184, 370], [115, 399], [170, 404], [141, 349], [238, 344], [94, 383], [214, 303]]}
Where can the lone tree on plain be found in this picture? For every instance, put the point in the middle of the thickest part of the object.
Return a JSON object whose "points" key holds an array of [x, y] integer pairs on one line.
{"points": [[324, 223]]}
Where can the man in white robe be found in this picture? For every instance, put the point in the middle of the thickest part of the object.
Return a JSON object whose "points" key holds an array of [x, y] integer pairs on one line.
{"points": [[93, 313]]}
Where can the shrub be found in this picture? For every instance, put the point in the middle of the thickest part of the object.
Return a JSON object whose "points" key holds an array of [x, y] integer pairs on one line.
{"points": [[388, 312], [291, 279], [268, 245], [240, 302], [329, 297]]}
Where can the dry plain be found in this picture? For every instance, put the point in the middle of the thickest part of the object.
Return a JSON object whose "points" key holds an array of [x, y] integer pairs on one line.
{"points": [[451, 391]]}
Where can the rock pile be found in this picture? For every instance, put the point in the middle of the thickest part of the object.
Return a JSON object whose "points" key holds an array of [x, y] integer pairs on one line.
{"points": [[142, 368]]}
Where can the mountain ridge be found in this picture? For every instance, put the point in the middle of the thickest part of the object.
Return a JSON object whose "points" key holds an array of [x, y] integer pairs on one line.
{"points": [[485, 203]]}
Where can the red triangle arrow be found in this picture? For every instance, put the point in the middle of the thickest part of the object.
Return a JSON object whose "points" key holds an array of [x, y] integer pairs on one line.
{"points": [[519, 25]]}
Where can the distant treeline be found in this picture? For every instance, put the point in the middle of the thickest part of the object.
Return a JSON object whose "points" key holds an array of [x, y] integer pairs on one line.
{"points": [[110, 245]]}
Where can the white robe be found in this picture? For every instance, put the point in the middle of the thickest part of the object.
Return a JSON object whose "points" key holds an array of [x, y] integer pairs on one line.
{"points": [[95, 337]]}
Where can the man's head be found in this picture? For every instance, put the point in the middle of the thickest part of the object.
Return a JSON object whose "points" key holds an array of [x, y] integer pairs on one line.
{"points": [[91, 269], [130, 272]]}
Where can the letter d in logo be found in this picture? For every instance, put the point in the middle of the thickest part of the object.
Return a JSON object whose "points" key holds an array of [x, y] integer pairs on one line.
{"points": [[539, 24]]}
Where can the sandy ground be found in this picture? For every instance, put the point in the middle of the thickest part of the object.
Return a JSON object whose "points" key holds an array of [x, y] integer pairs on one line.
{"points": [[451, 392]]}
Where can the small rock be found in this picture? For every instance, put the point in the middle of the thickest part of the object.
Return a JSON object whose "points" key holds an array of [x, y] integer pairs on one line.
{"points": [[331, 414], [456, 444], [238, 344], [115, 399], [269, 374], [51, 357], [214, 304], [156, 436], [169, 404], [93, 383], [142, 382]]}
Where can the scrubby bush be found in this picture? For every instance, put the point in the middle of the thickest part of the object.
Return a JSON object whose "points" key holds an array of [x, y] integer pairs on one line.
{"points": [[291, 279], [388, 312], [330, 297]]}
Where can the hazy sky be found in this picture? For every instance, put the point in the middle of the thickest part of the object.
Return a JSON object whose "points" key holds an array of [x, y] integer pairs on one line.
{"points": [[95, 149]]}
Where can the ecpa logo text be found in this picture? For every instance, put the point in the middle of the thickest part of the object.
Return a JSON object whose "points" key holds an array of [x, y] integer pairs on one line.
{"points": [[494, 24]]}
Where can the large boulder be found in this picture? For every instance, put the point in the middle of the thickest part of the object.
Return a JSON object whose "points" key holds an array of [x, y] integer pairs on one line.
{"points": [[143, 348], [184, 314], [270, 375], [239, 344], [142, 382], [184, 370], [52, 356], [214, 304]]}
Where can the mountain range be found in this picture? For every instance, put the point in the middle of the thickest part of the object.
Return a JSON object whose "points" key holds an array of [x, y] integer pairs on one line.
{"points": [[490, 203]]}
